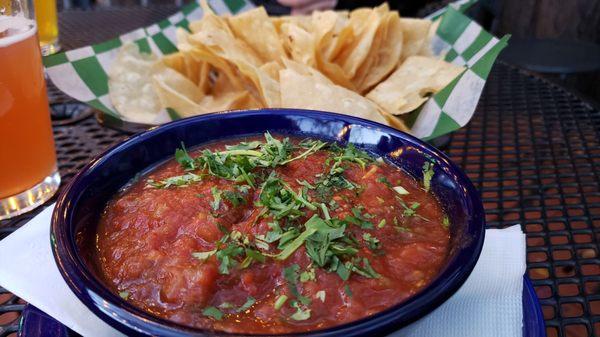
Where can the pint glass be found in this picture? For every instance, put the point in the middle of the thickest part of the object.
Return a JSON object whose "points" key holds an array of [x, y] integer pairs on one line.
{"points": [[28, 171], [47, 21]]}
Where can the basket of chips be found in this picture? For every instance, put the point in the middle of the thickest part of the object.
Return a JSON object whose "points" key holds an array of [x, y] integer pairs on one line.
{"points": [[423, 76]]}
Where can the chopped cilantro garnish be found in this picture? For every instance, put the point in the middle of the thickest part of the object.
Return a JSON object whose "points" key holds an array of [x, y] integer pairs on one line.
{"points": [[315, 146], [325, 211], [365, 269], [381, 223], [347, 290], [305, 184], [252, 256], [300, 314], [427, 175], [124, 294], [236, 198], [184, 159], [333, 205], [212, 312], [446, 222], [216, 194], [226, 257], [411, 211], [249, 302], [290, 248], [280, 301], [291, 276], [281, 200], [384, 180], [204, 255], [288, 237], [343, 271], [351, 154], [372, 242], [359, 219], [179, 181], [308, 275], [275, 233]]}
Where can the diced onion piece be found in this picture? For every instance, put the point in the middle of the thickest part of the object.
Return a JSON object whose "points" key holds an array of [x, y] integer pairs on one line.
{"points": [[320, 295], [401, 190]]}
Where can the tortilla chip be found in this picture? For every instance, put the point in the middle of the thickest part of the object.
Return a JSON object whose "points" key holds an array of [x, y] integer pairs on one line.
{"points": [[384, 58], [309, 92], [415, 36], [255, 28], [272, 69], [407, 88], [364, 23], [178, 93], [130, 85], [299, 43], [330, 33]]}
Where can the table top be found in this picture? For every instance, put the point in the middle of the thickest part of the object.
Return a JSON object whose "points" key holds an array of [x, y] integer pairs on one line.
{"points": [[532, 149]]}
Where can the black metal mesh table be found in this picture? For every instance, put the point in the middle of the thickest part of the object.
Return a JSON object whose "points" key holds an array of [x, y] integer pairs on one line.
{"points": [[532, 149]]}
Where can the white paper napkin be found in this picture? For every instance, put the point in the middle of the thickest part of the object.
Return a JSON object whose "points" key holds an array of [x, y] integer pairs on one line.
{"points": [[489, 303]]}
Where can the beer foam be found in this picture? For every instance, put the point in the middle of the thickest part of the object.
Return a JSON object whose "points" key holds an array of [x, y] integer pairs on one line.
{"points": [[14, 29]]}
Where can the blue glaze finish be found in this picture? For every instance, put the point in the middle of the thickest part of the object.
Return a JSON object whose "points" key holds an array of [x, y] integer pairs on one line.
{"points": [[533, 318], [79, 206], [36, 323]]}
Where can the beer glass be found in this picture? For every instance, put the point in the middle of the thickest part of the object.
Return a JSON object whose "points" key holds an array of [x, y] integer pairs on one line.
{"points": [[28, 171], [47, 21]]}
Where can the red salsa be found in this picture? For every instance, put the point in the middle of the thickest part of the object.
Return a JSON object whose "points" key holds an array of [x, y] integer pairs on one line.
{"points": [[271, 235]]}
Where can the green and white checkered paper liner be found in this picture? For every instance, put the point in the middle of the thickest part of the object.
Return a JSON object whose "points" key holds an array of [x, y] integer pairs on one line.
{"points": [[82, 73]]}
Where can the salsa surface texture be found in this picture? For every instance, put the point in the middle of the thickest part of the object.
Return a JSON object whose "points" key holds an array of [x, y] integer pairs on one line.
{"points": [[271, 235]]}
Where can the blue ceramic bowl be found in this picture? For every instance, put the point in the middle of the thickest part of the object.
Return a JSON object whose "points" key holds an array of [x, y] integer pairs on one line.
{"points": [[79, 206]]}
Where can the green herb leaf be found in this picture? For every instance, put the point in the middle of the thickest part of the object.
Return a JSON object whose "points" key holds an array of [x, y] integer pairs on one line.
{"points": [[216, 193], [365, 270], [343, 271], [236, 198], [249, 302], [359, 219], [311, 226], [178, 181], [252, 256], [385, 181], [347, 290], [372, 242], [272, 235], [124, 294], [212, 312], [184, 159], [291, 276], [226, 257], [280, 301], [316, 145], [308, 275], [427, 175], [204, 255], [300, 314], [446, 222]]}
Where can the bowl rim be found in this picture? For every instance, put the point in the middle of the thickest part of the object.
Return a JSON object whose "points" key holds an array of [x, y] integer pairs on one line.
{"points": [[126, 317]]}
